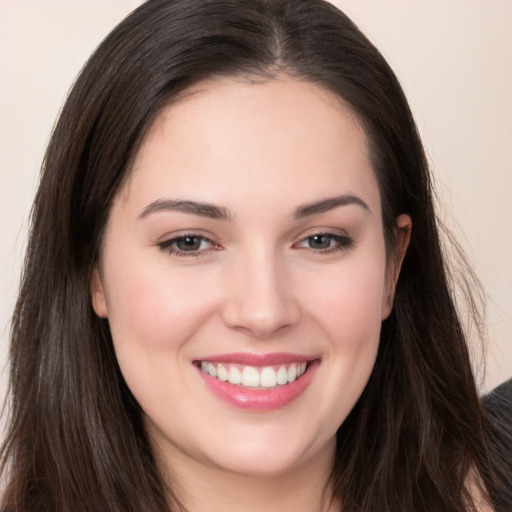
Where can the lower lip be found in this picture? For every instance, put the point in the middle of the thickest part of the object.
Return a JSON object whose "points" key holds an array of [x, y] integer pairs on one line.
{"points": [[260, 399]]}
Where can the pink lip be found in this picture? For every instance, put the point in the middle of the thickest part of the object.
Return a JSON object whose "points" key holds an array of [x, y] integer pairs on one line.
{"points": [[259, 399]]}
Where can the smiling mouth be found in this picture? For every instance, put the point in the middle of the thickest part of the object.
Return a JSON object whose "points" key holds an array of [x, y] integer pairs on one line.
{"points": [[254, 377]]}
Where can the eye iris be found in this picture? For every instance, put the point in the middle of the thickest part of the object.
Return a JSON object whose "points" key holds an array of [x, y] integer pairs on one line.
{"points": [[188, 243], [320, 241]]}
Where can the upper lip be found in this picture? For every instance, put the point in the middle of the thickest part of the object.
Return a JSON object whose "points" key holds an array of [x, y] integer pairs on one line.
{"points": [[251, 359]]}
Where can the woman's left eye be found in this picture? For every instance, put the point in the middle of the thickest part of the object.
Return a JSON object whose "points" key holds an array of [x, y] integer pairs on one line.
{"points": [[326, 242], [187, 245]]}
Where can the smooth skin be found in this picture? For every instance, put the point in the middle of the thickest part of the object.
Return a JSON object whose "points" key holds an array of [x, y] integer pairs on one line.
{"points": [[266, 266]]}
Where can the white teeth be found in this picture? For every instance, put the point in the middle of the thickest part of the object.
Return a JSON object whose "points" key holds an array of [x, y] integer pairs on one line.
{"points": [[268, 378], [212, 370], [250, 377], [282, 376], [253, 377], [222, 373], [235, 375]]}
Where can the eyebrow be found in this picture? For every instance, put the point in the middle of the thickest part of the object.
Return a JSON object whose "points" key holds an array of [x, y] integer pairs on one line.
{"points": [[328, 204], [194, 207], [220, 213]]}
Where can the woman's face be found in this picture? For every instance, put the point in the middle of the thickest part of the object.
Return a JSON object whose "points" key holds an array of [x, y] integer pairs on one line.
{"points": [[244, 275]]}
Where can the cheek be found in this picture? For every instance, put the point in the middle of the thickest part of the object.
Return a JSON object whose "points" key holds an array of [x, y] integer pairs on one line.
{"points": [[350, 306], [349, 312], [154, 309], [153, 315]]}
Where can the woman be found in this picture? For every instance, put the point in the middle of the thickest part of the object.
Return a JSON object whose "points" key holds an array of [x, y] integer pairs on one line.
{"points": [[234, 294]]}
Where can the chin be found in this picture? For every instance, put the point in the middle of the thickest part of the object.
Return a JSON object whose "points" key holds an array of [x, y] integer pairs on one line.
{"points": [[262, 464], [262, 456]]}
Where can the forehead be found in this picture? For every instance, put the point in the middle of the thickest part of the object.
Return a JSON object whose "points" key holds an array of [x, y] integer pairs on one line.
{"points": [[234, 138]]}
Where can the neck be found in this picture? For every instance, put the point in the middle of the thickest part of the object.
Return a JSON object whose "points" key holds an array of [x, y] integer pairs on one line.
{"points": [[204, 488]]}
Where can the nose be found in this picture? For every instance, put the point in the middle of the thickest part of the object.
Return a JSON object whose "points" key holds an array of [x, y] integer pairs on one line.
{"points": [[261, 300]]}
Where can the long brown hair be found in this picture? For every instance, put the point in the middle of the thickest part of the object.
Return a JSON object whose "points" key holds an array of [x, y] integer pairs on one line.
{"points": [[75, 439]]}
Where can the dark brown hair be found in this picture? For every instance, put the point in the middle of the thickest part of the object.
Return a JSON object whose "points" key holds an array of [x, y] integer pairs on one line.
{"points": [[75, 439]]}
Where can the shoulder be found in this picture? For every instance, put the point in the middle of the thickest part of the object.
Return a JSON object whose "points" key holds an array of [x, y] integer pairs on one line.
{"points": [[500, 397], [498, 413]]}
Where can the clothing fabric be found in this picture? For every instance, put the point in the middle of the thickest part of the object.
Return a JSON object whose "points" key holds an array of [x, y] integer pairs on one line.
{"points": [[498, 408]]}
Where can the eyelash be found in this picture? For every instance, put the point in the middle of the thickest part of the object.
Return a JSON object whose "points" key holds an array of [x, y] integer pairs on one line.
{"points": [[170, 245], [341, 243]]}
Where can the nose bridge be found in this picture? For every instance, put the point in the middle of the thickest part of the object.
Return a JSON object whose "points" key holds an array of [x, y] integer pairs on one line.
{"points": [[261, 300]]}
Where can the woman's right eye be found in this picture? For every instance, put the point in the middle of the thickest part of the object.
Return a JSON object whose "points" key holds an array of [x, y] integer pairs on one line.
{"points": [[187, 245]]}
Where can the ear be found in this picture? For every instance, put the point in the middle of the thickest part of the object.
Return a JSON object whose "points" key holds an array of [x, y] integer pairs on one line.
{"points": [[98, 296], [396, 257]]}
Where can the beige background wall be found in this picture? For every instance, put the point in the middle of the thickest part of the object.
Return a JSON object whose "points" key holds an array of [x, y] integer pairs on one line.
{"points": [[453, 58]]}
